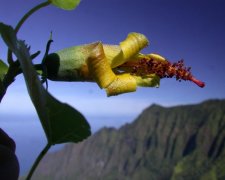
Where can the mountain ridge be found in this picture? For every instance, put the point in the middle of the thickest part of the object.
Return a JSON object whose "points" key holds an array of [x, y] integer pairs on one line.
{"points": [[179, 142]]}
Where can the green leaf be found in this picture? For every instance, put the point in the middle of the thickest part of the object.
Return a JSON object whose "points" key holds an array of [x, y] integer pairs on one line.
{"points": [[3, 69], [61, 122], [65, 4]]}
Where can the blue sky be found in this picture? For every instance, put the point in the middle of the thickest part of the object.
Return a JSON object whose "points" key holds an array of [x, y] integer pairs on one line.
{"points": [[193, 30], [190, 30]]}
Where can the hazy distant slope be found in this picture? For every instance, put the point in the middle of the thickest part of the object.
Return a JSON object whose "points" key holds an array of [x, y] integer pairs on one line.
{"points": [[183, 142]]}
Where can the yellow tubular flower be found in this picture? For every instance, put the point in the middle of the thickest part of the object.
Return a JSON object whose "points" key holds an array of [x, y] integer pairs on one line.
{"points": [[116, 68]]}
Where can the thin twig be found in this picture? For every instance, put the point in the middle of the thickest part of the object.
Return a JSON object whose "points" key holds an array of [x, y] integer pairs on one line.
{"points": [[23, 19], [29, 13]]}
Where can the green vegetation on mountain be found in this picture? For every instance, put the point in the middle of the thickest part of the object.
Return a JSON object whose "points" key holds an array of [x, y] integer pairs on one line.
{"points": [[177, 143]]}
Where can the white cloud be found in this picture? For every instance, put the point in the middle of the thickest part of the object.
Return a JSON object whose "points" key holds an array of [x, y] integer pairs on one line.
{"points": [[116, 106], [18, 101], [88, 99]]}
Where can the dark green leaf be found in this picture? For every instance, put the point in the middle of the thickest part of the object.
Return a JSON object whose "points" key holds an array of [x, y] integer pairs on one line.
{"points": [[3, 69], [61, 122], [65, 4]]}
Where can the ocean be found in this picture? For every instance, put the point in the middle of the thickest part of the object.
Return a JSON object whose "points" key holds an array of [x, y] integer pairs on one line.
{"points": [[30, 139]]}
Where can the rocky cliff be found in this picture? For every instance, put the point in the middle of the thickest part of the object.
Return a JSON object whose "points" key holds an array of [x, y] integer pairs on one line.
{"points": [[178, 143]]}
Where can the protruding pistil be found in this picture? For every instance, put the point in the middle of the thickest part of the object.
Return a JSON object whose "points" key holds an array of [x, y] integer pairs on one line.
{"points": [[163, 69]]}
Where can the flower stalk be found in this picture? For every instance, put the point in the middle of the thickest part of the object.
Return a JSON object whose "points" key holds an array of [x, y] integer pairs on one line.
{"points": [[22, 20]]}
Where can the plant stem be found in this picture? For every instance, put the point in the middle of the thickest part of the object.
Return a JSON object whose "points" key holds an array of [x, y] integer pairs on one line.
{"points": [[23, 19], [9, 78], [29, 13], [13, 71], [37, 161]]}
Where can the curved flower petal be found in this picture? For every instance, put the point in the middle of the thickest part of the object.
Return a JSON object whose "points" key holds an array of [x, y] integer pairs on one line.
{"points": [[130, 47], [149, 81], [123, 83], [99, 67]]}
